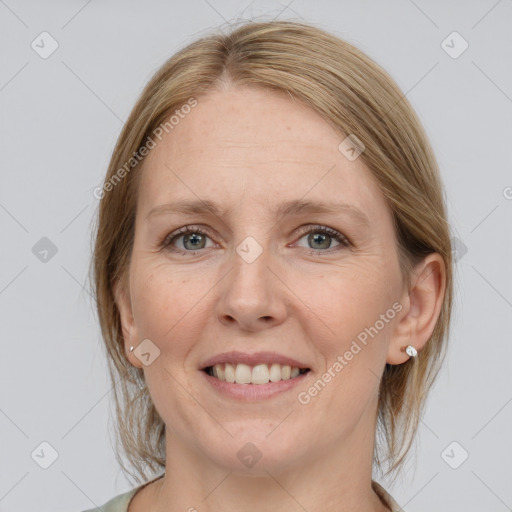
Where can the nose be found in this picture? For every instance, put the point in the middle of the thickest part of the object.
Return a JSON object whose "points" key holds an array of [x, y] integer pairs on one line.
{"points": [[252, 296]]}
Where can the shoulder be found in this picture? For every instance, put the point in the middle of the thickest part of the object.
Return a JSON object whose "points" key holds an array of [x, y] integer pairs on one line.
{"points": [[117, 504], [386, 498], [120, 502]]}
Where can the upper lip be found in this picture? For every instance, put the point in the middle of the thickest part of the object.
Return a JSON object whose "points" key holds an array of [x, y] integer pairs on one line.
{"points": [[251, 359]]}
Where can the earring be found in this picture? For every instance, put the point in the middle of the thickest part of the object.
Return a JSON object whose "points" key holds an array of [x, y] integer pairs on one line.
{"points": [[411, 351], [131, 349]]}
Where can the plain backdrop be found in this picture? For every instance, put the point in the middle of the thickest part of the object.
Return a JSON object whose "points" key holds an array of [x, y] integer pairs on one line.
{"points": [[70, 73]]}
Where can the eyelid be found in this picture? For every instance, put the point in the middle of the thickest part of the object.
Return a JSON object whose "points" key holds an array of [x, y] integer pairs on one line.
{"points": [[334, 233], [189, 228]]}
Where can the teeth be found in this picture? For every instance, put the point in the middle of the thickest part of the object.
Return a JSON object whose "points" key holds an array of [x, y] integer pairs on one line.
{"points": [[242, 374], [259, 374], [275, 372], [229, 372]]}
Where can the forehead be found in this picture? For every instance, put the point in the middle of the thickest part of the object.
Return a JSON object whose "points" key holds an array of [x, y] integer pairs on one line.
{"points": [[256, 144]]}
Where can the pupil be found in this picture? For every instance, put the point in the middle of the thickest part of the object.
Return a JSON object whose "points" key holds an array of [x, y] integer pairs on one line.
{"points": [[195, 239], [319, 238]]}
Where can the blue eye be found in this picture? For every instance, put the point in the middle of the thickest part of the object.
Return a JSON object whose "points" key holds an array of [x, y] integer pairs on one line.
{"points": [[322, 237], [194, 239]]}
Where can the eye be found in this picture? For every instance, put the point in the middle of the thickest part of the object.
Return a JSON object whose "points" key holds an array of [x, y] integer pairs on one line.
{"points": [[193, 239], [319, 238]]}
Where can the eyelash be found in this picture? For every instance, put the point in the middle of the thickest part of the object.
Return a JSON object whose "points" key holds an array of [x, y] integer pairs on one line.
{"points": [[166, 243]]}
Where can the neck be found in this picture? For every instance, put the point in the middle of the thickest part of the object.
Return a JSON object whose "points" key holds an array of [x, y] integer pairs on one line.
{"points": [[335, 479]]}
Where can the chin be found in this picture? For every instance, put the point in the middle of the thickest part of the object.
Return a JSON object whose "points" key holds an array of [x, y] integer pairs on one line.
{"points": [[255, 452]]}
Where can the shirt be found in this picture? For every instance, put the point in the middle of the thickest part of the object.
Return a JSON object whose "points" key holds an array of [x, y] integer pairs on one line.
{"points": [[120, 503]]}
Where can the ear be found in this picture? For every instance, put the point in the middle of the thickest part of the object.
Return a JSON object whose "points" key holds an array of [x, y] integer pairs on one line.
{"points": [[128, 325], [421, 307]]}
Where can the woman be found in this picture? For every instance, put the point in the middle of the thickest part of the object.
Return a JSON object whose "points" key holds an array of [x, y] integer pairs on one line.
{"points": [[273, 275]]}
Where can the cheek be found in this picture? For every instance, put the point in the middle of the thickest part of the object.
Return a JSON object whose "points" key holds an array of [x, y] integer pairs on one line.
{"points": [[347, 301], [348, 331], [168, 307], [170, 310]]}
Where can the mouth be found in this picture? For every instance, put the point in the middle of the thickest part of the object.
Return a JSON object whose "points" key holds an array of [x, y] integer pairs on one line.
{"points": [[258, 374]]}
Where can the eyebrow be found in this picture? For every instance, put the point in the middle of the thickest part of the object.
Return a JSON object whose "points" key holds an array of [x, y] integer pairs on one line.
{"points": [[289, 208]]}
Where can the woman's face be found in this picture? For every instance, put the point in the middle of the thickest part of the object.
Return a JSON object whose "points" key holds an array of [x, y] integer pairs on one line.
{"points": [[261, 274]]}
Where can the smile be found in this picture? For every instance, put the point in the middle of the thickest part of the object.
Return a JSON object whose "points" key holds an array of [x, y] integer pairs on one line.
{"points": [[240, 373]]}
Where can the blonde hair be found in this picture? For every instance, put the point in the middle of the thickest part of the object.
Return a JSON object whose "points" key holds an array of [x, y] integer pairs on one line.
{"points": [[355, 96]]}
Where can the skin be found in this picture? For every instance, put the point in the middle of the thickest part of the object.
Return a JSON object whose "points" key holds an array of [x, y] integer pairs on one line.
{"points": [[250, 150]]}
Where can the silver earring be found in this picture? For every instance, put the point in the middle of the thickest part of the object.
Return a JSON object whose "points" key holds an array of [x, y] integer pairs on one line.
{"points": [[411, 351], [131, 349]]}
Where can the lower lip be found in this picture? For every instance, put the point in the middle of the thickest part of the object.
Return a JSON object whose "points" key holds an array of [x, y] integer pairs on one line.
{"points": [[253, 392]]}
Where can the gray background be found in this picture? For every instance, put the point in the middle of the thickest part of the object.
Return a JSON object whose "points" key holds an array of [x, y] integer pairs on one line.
{"points": [[60, 119]]}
